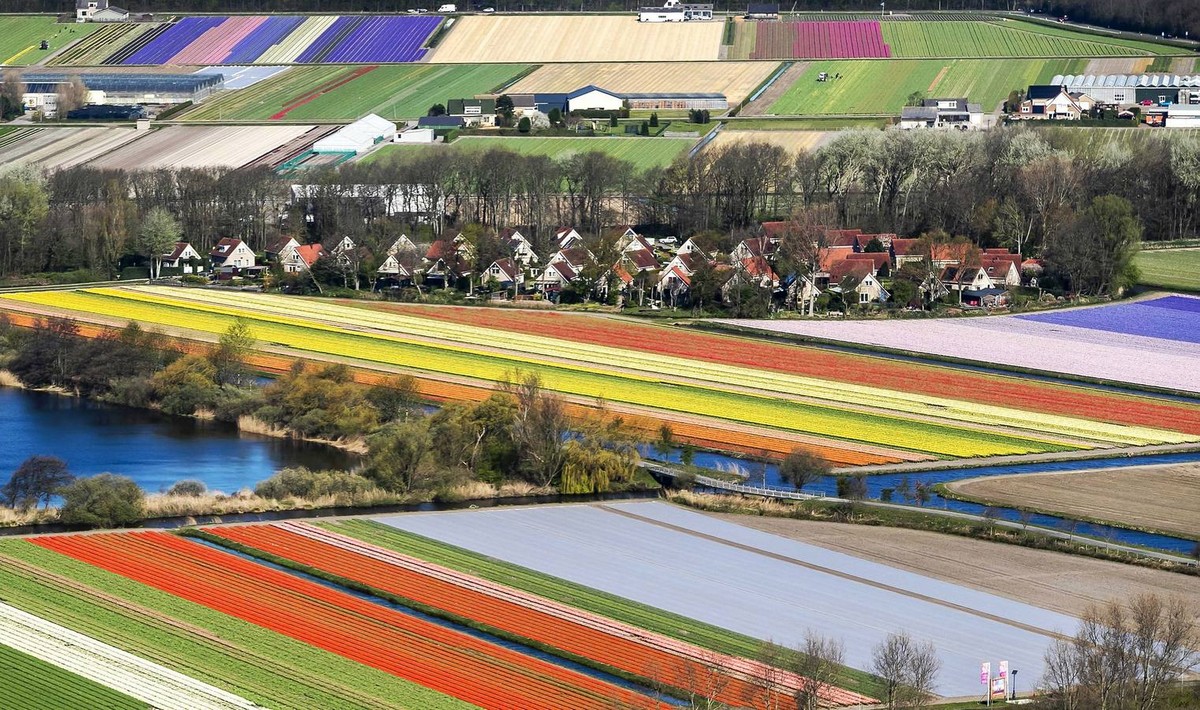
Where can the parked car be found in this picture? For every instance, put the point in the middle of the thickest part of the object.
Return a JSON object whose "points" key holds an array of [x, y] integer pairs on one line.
{"points": [[489, 9]]}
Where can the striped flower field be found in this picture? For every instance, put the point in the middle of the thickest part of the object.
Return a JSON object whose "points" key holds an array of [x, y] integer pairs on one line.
{"points": [[829, 401]]}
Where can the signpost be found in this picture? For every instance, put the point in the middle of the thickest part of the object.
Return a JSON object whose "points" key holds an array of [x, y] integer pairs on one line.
{"points": [[994, 686], [985, 679]]}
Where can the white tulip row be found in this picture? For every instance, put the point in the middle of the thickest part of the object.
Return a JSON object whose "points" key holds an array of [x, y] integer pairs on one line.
{"points": [[149, 682]]}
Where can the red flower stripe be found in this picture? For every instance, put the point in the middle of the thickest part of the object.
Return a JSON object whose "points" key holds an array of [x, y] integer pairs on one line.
{"points": [[445, 660], [577, 632], [1000, 390]]}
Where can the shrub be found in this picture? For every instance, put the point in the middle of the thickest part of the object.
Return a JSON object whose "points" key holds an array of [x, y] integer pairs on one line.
{"points": [[303, 483], [187, 487], [103, 501], [523, 125]]}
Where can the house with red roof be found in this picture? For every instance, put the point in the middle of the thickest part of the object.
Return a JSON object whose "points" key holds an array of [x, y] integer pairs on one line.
{"points": [[301, 257], [231, 253], [183, 257]]}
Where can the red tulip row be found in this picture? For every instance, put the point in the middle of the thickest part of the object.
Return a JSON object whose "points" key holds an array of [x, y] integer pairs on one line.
{"points": [[446, 660], [1005, 391], [642, 653]]}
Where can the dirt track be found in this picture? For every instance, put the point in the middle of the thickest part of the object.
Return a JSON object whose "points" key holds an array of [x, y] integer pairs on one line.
{"points": [[1164, 498], [1051, 580]]}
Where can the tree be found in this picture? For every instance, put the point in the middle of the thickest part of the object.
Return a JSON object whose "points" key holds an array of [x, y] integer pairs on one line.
{"points": [[1096, 254], [644, 130], [819, 664], [24, 205], [158, 233], [186, 385], [802, 467], [555, 117], [436, 110], [612, 120], [12, 95], [71, 95], [231, 352], [908, 670], [504, 110], [916, 98], [103, 501], [654, 120], [189, 488], [538, 429], [36, 481], [397, 451], [1123, 655], [523, 125]]}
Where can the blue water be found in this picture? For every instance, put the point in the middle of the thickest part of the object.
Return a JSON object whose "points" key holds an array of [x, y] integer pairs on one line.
{"points": [[153, 449], [511, 645], [877, 483]]}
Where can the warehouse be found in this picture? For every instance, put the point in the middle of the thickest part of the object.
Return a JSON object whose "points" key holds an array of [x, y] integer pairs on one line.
{"points": [[117, 88], [594, 98], [358, 137], [1130, 89]]}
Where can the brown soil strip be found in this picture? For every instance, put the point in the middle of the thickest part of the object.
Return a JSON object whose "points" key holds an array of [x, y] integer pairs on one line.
{"points": [[1163, 498], [937, 79], [837, 573], [1051, 580]]}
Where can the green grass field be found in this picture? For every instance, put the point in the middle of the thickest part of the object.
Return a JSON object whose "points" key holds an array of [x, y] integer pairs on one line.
{"points": [[644, 153], [20, 37], [875, 87], [347, 93], [1170, 268], [33, 684], [263, 666], [1007, 38]]}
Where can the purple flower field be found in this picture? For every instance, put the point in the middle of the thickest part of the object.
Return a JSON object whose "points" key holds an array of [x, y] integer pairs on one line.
{"points": [[1157, 345], [354, 39], [1170, 317]]}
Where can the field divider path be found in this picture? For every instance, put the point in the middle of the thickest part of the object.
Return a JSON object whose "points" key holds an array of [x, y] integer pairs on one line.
{"points": [[835, 573], [97, 661]]}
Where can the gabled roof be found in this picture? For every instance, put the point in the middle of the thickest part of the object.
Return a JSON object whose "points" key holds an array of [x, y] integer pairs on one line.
{"points": [[918, 113], [440, 249], [592, 87], [277, 246], [510, 270], [455, 107], [678, 273], [878, 259], [622, 274], [576, 256], [440, 122], [691, 261], [857, 269], [1044, 91], [309, 253], [564, 269], [759, 268], [225, 247], [960, 274], [177, 253], [641, 259], [760, 246]]}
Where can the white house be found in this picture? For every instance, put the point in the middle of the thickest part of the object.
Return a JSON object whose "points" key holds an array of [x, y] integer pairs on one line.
{"points": [[676, 11], [942, 113], [504, 273], [183, 257], [567, 237], [231, 252], [402, 245], [691, 247], [557, 275], [519, 247], [112, 13], [416, 135], [345, 245], [300, 257], [593, 98]]}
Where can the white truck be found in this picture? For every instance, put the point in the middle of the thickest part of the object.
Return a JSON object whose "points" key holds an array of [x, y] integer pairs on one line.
{"points": [[448, 8]]}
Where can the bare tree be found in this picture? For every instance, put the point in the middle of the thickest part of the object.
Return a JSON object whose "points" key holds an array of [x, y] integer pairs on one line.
{"points": [[908, 670], [819, 665], [538, 429], [767, 691], [71, 95], [703, 681], [801, 467]]}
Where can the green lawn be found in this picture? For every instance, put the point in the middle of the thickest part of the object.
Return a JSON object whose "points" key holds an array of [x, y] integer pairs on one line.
{"points": [[347, 93], [20, 37], [263, 666], [1170, 268], [875, 87], [645, 153], [1007, 38], [33, 684]]}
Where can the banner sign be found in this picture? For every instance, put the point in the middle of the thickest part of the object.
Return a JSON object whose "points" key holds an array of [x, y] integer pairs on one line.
{"points": [[985, 673], [1003, 669]]}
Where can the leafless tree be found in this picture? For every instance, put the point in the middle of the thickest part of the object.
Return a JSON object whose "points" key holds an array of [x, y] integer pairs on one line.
{"points": [[766, 691], [908, 669], [818, 663], [538, 428], [704, 682]]}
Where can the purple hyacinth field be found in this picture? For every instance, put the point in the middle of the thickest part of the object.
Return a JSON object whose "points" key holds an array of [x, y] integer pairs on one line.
{"points": [[359, 39], [1155, 343], [820, 40], [1170, 317]]}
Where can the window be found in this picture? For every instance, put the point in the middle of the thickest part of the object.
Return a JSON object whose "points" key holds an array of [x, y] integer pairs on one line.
{"points": [[864, 297]]}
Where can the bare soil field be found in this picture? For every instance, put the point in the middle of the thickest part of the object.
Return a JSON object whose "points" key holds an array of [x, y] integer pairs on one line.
{"points": [[791, 141], [734, 79], [1118, 65], [1165, 498], [1050, 580], [575, 38], [199, 147]]}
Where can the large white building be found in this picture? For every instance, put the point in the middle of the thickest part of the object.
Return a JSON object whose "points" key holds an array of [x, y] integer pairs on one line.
{"points": [[1130, 89], [676, 11], [358, 137]]}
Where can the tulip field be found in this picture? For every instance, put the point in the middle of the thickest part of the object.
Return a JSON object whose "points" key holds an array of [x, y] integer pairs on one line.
{"points": [[859, 404]]}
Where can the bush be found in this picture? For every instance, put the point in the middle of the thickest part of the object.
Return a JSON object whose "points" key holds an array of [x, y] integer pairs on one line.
{"points": [[188, 487], [523, 125], [303, 483], [103, 501]]}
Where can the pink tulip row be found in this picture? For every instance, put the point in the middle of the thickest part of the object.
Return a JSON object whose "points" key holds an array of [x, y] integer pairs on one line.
{"points": [[820, 40]]}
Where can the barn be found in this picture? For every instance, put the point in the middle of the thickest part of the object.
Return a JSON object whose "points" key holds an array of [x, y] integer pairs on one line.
{"points": [[594, 98], [1129, 89], [358, 137]]}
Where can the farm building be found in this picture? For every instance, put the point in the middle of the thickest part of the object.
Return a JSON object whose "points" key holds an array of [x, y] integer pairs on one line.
{"points": [[542, 103], [676, 11], [1174, 116], [473, 112], [1129, 89], [358, 137], [762, 11], [942, 113], [594, 98], [1055, 102], [99, 11], [440, 123], [416, 135], [138, 88]]}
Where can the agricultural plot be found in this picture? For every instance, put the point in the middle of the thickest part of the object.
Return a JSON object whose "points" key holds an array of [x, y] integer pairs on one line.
{"points": [[1161, 498], [541, 39], [254, 662], [102, 43], [101, 663], [526, 616], [791, 141], [461, 665], [21, 37], [868, 87], [1007, 38], [746, 581], [53, 149], [199, 147], [819, 40], [1177, 269], [31, 683], [644, 153], [330, 94], [736, 80], [288, 39], [1146, 343], [895, 423]]}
